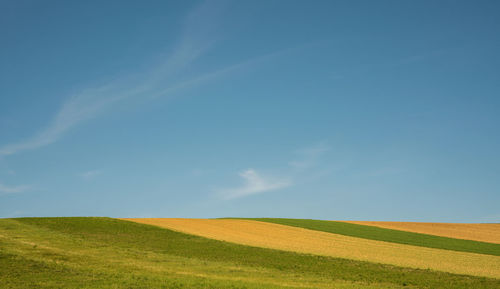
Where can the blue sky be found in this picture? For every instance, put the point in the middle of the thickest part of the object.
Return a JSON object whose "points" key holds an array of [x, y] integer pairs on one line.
{"points": [[350, 110]]}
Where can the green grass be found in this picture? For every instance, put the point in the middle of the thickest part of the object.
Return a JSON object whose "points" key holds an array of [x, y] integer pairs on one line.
{"points": [[388, 235], [110, 253]]}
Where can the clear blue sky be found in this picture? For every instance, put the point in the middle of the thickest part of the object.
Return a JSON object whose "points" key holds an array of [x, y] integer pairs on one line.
{"points": [[366, 110]]}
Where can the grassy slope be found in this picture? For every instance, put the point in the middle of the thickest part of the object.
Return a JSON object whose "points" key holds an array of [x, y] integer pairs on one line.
{"points": [[299, 240], [103, 252], [388, 235]]}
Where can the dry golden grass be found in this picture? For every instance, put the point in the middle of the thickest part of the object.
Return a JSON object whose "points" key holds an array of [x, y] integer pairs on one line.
{"points": [[268, 235], [477, 232]]}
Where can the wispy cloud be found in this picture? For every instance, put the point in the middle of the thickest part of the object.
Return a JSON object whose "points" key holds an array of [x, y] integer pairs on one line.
{"points": [[254, 183], [297, 171], [220, 72], [76, 109], [197, 37], [4, 190], [90, 174], [309, 157]]}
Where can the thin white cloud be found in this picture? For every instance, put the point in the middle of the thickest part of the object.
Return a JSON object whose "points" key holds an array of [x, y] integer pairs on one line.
{"points": [[309, 157], [298, 171], [4, 190], [254, 183], [78, 108], [197, 37], [90, 174], [93, 101], [214, 74]]}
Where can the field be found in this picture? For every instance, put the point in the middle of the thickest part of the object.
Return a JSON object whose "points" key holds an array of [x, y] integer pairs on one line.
{"points": [[476, 232], [111, 253], [388, 235], [295, 239]]}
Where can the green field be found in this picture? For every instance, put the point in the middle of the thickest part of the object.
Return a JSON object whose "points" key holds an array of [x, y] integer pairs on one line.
{"points": [[388, 235], [110, 253]]}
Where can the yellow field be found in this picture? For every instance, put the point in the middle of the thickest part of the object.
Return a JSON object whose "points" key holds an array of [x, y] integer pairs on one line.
{"points": [[477, 232], [268, 235]]}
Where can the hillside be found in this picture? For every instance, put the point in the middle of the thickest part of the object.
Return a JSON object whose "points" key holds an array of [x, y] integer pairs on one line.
{"points": [[477, 232], [393, 236], [111, 253], [349, 242]]}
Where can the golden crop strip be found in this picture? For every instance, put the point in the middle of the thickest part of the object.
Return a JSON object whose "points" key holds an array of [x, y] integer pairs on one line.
{"points": [[275, 236], [478, 232]]}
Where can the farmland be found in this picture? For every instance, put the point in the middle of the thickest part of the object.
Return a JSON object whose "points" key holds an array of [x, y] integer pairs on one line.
{"points": [[476, 232], [388, 235], [111, 253], [295, 239]]}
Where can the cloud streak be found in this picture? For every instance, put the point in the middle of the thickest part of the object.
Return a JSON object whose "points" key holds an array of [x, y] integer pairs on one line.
{"points": [[308, 157], [90, 174], [4, 190], [196, 38], [296, 171], [164, 80], [78, 108], [254, 183]]}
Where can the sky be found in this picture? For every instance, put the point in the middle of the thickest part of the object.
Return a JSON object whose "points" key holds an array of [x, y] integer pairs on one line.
{"points": [[335, 110]]}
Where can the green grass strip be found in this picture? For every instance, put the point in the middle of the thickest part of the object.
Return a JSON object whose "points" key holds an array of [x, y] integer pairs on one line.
{"points": [[388, 235], [112, 233]]}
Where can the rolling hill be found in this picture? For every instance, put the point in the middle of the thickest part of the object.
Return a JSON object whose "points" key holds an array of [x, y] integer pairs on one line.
{"points": [[112, 253]]}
